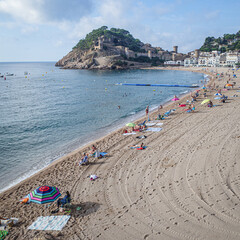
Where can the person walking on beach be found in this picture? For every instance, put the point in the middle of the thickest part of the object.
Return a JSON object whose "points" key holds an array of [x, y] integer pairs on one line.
{"points": [[147, 111]]}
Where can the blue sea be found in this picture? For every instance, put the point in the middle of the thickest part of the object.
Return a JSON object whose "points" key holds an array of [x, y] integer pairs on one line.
{"points": [[47, 112]]}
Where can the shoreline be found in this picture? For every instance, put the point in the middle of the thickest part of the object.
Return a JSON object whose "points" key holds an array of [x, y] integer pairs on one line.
{"points": [[170, 190], [88, 144]]}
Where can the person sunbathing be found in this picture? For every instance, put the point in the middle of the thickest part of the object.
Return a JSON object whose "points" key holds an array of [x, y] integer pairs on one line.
{"points": [[138, 147]]}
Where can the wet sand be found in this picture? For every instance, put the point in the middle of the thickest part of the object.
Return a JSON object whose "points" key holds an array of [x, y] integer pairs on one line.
{"points": [[184, 185]]}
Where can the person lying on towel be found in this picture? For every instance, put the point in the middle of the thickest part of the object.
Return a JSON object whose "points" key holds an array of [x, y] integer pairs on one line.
{"points": [[138, 147]]}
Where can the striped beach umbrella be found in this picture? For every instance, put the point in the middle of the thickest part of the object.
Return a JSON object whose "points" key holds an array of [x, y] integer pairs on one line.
{"points": [[44, 194]]}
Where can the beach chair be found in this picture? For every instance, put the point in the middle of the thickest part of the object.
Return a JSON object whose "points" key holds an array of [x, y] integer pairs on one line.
{"points": [[142, 124], [166, 114], [84, 161]]}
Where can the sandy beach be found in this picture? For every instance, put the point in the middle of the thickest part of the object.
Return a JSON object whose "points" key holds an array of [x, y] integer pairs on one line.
{"points": [[184, 185]]}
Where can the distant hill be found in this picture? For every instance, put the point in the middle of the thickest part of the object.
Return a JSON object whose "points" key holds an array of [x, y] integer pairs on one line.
{"points": [[223, 44]]}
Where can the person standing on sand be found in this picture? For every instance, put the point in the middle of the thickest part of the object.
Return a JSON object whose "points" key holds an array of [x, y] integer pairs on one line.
{"points": [[147, 112]]}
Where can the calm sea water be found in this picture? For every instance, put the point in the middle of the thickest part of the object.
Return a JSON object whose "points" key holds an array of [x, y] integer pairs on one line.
{"points": [[50, 111]]}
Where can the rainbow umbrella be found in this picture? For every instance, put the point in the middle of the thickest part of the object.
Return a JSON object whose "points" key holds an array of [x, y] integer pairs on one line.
{"points": [[44, 194], [175, 99]]}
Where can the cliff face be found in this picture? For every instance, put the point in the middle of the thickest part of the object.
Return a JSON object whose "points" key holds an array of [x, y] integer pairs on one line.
{"points": [[91, 59]]}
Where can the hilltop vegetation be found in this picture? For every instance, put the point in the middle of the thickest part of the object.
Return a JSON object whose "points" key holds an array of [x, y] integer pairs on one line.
{"points": [[120, 37], [223, 44]]}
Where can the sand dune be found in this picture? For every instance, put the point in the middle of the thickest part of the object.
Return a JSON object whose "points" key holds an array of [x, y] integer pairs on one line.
{"points": [[185, 185]]}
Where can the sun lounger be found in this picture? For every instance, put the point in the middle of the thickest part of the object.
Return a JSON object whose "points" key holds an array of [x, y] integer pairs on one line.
{"points": [[150, 124], [153, 129], [142, 124], [127, 134]]}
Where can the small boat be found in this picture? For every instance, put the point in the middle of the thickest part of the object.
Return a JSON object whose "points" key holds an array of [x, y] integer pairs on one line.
{"points": [[9, 74]]}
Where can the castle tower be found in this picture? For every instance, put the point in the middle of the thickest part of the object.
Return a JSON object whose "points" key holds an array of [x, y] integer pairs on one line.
{"points": [[175, 49], [127, 52], [149, 53], [100, 43], [174, 56], [197, 53]]}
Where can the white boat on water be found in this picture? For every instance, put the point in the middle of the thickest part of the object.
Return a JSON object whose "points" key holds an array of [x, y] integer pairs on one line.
{"points": [[8, 74]]}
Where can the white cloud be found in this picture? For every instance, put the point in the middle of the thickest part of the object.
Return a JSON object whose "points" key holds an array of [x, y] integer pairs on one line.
{"points": [[45, 11], [25, 10]]}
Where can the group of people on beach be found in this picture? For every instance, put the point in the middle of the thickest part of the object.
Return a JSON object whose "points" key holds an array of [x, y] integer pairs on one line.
{"points": [[94, 152]]}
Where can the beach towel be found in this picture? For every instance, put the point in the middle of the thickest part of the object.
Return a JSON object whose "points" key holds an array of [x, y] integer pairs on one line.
{"points": [[50, 223], [159, 124], [136, 147], [153, 129], [150, 124], [3, 234], [126, 134], [103, 154]]}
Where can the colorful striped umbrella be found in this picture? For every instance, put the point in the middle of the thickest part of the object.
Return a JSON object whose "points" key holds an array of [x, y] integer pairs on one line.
{"points": [[44, 194]]}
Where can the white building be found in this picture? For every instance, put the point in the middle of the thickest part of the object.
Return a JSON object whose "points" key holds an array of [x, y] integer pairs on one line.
{"points": [[174, 63], [189, 62], [232, 59], [213, 59]]}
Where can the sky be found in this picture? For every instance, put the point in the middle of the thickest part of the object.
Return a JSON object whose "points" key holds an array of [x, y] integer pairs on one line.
{"points": [[46, 30]]}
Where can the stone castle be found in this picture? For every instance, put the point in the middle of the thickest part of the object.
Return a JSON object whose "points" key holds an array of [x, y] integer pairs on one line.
{"points": [[147, 50], [109, 53]]}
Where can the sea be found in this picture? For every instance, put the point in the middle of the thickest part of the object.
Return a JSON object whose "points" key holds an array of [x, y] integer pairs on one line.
{"points": [[47, 112]]}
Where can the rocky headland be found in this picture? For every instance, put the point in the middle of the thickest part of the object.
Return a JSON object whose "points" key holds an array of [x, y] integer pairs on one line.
{"points": [[115, 49]]}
